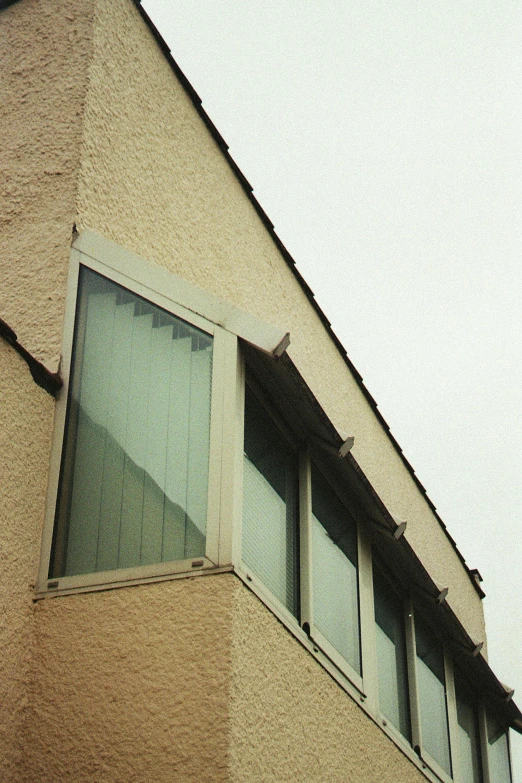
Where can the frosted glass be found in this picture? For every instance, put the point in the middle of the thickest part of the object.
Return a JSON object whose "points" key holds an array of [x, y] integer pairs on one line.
{"points": [[133, 488], [334, 572], [498, 753], [469, 741], [391, 656], [269, 545], [432, 696]]}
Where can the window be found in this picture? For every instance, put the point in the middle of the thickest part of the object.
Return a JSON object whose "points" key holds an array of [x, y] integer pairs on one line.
{"points": [[310, 553], [431, 684], [498, 752], [392, 673], [468, 734], [270, 521], [134, 479], [335, 606], [167, 459]]}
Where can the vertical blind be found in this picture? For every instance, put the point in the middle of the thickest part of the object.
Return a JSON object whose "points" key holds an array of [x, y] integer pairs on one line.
{"points": [[133, 486], [334, 572], [270, 476]]}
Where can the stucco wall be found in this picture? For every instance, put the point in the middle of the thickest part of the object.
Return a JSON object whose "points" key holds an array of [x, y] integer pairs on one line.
{"points": [[44, 48], [132, 685], [155, 682], [153, 180], [26, 416], [290, 721]]}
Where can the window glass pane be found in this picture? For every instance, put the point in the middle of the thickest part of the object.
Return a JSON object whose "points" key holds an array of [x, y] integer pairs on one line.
{"points": [[270, 505], [498, 753], [334, 572], [432, 696], [469, 740], [133, 487], [391, 656]]}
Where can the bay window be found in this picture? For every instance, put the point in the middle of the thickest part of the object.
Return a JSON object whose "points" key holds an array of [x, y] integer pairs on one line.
{"points": [[178, 448]]}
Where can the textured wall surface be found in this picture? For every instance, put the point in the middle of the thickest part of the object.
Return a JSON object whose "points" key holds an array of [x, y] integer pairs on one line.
{"points": [[290, 721], [153, 180], [155, 682], [44, 51], [26, 415], [131, 685]]}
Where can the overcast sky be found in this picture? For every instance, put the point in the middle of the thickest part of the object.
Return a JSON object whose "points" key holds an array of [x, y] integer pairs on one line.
{"points": [[384, 141]]}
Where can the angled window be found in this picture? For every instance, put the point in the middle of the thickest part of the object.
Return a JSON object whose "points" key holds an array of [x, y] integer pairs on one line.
{"points": [[134, 476], [335, 593], [270, 511], [392, 669], [431, 683]]}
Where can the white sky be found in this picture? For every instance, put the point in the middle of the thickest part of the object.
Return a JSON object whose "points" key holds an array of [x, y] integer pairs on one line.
{"points": [[384, 141]]}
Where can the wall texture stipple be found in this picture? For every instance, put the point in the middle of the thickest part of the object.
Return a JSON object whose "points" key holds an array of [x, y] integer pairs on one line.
{"points": [[192, 679], [44, 51]]}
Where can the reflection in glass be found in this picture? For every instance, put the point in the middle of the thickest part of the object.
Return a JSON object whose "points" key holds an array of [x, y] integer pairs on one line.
{"points": [[391, 656], [334, 572], [432, 696], [134, 476], [270, 476]]}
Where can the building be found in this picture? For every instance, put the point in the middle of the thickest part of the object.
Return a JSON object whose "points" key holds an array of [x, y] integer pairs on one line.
{"points": [[218, 565]]}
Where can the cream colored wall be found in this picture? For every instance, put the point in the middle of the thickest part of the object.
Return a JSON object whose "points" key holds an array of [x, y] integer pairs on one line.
{"points": [[26, 418], [290, 721], [153, 180], [44, 49], [133, 685], [153, 682]]}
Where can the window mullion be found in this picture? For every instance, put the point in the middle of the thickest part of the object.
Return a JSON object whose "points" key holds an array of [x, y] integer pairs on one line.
{"points": [[305, 535], [483, 732], [367, 621], [411, 653], [451, 705], [218, 408]]}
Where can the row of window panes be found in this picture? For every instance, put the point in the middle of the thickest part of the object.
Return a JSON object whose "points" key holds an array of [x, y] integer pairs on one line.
{"points": [[271, 551], [133, 491]]}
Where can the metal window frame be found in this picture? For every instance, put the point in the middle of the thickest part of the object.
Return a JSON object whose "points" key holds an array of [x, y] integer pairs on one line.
{"points": [[363, 689], [198, 308], [229, 325]]}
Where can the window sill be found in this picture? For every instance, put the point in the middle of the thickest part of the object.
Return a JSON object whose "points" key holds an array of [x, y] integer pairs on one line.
{"points": [[128, 577]]}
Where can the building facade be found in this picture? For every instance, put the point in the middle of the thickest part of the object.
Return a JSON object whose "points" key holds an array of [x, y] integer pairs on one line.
{"points": [[218, 565]]}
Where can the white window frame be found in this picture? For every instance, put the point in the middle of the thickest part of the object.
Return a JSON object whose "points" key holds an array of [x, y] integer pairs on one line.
{"points": [[225, 324], [225, 495], [363, 689]]}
